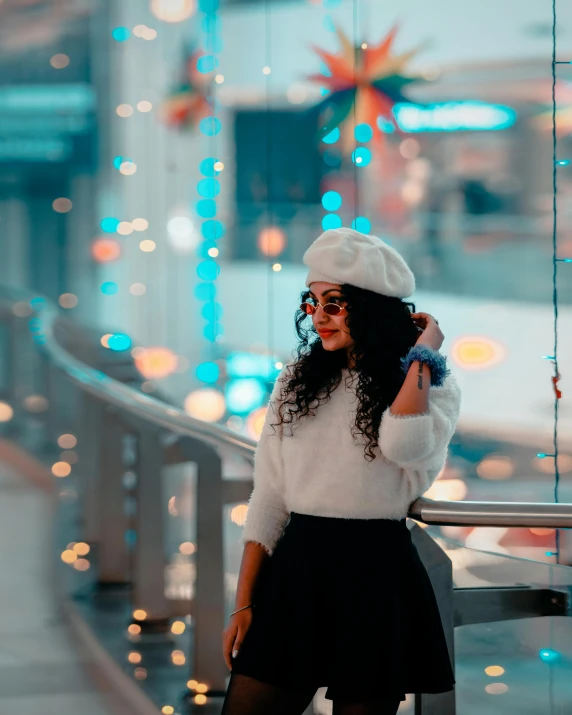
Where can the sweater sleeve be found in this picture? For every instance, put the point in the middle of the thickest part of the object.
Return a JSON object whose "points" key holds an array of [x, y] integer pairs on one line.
{"points": [[267, 511], [420, 443]]}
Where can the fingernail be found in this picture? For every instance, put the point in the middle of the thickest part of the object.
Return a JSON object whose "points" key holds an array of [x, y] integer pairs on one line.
{"points": [[234, 653]]}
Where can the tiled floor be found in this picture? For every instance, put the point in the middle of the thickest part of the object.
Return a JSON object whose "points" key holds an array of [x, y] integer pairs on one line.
{"points": [[39, 668]]}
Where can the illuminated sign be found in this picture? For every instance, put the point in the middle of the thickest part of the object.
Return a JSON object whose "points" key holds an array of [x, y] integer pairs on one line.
{"points": [[52, 123], [452, 117], [49, 98]]}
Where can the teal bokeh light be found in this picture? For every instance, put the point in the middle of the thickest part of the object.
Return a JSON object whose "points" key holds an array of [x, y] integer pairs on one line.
{"points": [[244, 364], [208, 6], [331, 201], [207, 167], [38, 303], [202, 250], [109, 288], [332, 137], [212, 311], [213, 230], [361, 156], [109, 224], [212, 330], [205, 291], [385, 125], [208, 270], [331, 221], [210, 24], [35, 325], [119, 342], [208, 372], [244, 394], [548, 655], [120, 34], [206, 208], [209, 126], [207, 63], [209, 188], [361, 224], [363, 133]]}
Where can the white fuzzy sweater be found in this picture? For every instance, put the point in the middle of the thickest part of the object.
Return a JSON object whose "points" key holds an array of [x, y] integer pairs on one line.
{"points": [[316, 467]]}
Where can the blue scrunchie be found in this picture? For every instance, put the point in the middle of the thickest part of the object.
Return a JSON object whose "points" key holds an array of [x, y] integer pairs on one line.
{"points": [[436, 361]]}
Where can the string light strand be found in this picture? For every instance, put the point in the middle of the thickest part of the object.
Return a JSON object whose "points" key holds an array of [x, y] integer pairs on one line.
{"points": [[269, 206], [554, 268]]}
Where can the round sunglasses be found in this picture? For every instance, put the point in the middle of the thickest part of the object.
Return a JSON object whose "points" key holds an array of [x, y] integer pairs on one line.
{"points": [[329, 308]]}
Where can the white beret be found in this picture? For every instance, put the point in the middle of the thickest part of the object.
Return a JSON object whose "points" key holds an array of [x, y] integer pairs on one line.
{"points": [[342, 255]]}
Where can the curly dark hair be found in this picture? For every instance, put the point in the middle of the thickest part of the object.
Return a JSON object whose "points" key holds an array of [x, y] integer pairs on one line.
{"points": [[383, 331]]}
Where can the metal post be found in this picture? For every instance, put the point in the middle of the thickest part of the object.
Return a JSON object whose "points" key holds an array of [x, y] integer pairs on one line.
{"points": [[112, 553], [90, 447], [208, 603], [149, 563], [440, 570], [52, 416], [16, 380]]}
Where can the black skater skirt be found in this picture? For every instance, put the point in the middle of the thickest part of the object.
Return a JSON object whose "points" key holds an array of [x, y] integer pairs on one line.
{"points": [[346, 604]]}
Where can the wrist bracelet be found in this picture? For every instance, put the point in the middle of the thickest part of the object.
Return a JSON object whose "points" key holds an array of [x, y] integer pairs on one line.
{"points": [[435, 360], [242, 609]]}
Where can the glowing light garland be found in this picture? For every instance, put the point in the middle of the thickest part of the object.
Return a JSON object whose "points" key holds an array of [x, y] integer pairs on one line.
{"points": [[548, 655], [363, 132], [208, 189], [273, 239], [556, 163]]}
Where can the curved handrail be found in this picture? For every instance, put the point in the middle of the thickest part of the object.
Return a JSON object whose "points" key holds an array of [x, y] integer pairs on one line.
{"points": [[482, 513], [428, 511], [137, 403]]}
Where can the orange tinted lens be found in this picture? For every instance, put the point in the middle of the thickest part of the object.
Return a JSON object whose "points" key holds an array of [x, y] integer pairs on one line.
{"points": [[308, 308]]}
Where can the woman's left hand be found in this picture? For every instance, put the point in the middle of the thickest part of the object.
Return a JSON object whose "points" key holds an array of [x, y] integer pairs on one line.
{"points": [[431, 335]]}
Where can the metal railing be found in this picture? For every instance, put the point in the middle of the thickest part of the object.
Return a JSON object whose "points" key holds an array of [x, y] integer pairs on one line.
{"points": [[121, 430]]}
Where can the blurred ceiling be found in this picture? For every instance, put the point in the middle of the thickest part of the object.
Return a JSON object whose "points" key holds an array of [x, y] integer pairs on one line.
{"points": [[28, 23], [25, 24], [31, 31]]}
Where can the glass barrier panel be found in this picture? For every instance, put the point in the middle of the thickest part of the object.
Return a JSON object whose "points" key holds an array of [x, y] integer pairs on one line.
{"points": [[521, 665]]}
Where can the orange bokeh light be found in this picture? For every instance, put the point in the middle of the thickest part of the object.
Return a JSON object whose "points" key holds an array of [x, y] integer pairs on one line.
{"points": [[255, 422], [271, 241], [156, 363], [477, 352], [105, 250]]}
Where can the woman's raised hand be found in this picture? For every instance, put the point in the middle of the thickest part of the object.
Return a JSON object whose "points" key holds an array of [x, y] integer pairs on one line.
{"points": [[431, 335]]}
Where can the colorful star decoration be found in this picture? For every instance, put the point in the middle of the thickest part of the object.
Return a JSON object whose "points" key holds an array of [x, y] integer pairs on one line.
{"points": [[366, 81], [189, 102]]}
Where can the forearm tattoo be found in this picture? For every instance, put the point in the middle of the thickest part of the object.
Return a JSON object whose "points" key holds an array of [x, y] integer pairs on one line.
{"points": [[420, 376]]}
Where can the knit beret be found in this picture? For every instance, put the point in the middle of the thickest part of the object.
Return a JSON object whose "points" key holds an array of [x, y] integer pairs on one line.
{"points": [[342, 255]]}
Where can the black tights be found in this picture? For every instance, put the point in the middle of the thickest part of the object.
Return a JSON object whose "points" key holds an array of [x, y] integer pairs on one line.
{"points": [[248, 696]]}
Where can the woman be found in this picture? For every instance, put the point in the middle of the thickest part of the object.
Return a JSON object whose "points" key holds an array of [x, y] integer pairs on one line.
{"points": [[331, 589]]}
